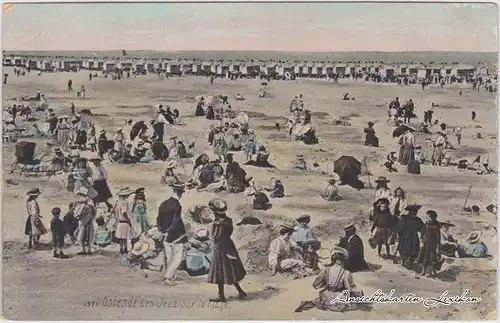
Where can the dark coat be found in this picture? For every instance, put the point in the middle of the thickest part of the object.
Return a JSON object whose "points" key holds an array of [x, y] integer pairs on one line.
{"points": [[407, 230], [432, 240], [169, 220], [58, 232], [226, 267], [356, 254]]}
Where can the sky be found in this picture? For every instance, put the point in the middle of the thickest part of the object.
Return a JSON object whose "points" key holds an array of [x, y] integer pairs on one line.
{"points": [[313, 27]]}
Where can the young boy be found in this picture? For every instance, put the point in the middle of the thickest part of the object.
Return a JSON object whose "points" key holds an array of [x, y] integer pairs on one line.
{"points": [[102, 237], [70, 223], [58, 233]]}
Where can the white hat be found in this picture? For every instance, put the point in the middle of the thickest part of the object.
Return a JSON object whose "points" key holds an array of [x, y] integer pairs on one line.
{"points": [[201, 234], [82, 190], [140, 142], [154, 233], [171, 164], [140, 248], [474, 236]]}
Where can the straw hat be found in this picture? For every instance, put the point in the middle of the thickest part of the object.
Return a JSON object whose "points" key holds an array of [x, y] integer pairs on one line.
{"points": [[34, 192], [382, 179], [201, 234], [102, 131], [446, 223], [334, 178], [140, 142], [217, 205], [177, 186], [474, 236], [140, 248], [82, 191], [303, 218], [125, 192], [171, 164], [340, 251]]}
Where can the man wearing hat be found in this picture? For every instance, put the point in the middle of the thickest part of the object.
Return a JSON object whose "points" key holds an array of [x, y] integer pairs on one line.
{"points": [[355, 260], [331, 192], [100, 184], [285, 255], [302, 232], [170, 224], [34, 227]]}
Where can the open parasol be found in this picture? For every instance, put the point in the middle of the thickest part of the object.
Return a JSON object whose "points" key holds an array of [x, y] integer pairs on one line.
{"points": [[347, 167], [401, 130]]}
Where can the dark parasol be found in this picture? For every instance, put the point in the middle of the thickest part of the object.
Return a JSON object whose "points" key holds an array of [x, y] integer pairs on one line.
{"points": [[401, 130], [347, 167], [263, 84]]}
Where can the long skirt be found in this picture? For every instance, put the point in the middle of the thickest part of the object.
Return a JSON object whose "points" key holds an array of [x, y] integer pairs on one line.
{"points": [[438, 154], [224, 270], [91, 192], [414, 167], [63, 137], [103, 192], [123, 231], [34, 226], [406, 154], [448, 249]]}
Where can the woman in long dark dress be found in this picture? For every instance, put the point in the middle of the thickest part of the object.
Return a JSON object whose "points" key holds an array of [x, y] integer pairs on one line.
{"points": [[370, 138], [226, 267], [409, 230], [431, 251]]}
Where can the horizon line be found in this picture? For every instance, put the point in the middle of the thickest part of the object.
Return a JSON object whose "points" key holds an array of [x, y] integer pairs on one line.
{"points": [[262, 51]]}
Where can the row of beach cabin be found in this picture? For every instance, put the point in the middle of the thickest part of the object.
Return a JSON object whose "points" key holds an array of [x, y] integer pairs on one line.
{"points": [[284, 70]]}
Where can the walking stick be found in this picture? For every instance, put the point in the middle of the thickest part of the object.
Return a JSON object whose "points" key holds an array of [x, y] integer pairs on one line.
{"points": [[466, 198]]}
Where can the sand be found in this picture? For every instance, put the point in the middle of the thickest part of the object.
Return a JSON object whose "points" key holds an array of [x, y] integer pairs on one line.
{"points": [[36, 286]]}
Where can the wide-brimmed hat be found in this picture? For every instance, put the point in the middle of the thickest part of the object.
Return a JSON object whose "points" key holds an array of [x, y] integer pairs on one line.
{"points": [[173, 137], [382, 179], [441, 133], [82, 191], [314, 243], [446, 223], [286, 229], [140, 142], [333, 178], [474, 236], [201, 234], [217, 205], [300, 156], [125, 192], [63, 117], [171, 164], [140, 248], [177, 186], [382, 200], [338, 251], [56, 150], [349, 227], [95, 158], [413, 207], [34, 192], [370, 123], [74, 154], [303, 218], [102, 131]]}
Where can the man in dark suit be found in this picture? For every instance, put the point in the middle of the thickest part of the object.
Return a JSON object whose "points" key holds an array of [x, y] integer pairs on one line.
{"points": [[352, 243], [170, 224]]}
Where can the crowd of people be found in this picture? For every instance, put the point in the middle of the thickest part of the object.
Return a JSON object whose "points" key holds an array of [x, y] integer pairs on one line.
{"points": [[165, 246]]}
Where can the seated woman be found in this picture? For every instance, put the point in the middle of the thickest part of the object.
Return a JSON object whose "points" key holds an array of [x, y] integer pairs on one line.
{"points": [[346, 97], [283, 255], [277, 189], [235, 176], [235, 143], [260, 199], [181, 150], [199, 255], [261, 160], [449, 246], [210, 113], [147, 252], [147, 154], [239, 97], [300, 163], [34, 132], [333, 281], [302, 232], [370, 138], [331, 192]]}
